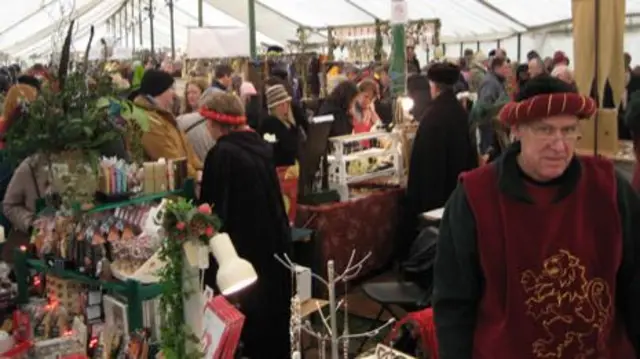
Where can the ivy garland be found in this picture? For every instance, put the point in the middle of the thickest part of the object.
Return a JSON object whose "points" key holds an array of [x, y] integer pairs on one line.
{"points": [[182, 222]]}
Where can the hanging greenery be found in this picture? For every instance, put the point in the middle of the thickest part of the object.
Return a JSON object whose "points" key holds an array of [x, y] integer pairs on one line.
{"points": [[182, 222]]}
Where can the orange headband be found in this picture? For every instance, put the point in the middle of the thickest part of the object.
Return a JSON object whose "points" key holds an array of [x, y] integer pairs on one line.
{"points": [[222, 118]]}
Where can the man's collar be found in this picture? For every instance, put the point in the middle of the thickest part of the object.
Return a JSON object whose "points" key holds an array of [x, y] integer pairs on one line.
{"points": [[219, 85], [511, 180]]}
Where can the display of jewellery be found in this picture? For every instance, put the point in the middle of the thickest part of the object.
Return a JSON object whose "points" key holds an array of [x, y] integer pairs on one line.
{"points": [[295, 328]]}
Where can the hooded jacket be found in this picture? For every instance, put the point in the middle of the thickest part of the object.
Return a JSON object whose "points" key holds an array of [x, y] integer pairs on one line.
{"points": [[164, 139]]}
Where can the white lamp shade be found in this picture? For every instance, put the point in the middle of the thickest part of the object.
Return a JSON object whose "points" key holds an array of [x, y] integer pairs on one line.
{"points": [[234, 273]]}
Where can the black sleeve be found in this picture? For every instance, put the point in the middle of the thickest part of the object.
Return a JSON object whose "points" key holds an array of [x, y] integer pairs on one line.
{"points": [[457, 279], [628, 286], [216, 180], [428, 168]]}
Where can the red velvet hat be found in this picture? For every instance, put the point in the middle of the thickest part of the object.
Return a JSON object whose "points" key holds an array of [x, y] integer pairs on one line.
{"points": [[546, 97]]}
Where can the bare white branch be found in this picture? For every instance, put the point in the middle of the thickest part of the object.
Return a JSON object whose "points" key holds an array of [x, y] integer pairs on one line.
{"points": [[352, 271], [306, 327], [369, 334]]}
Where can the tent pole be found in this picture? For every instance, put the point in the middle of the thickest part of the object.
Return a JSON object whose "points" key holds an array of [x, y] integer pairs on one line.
{"points": [[519, 39], [153, 50], [133, 25], [595, 93], [200, 13], [140, 21], [126, 26], [172, 29], [251, 5]]}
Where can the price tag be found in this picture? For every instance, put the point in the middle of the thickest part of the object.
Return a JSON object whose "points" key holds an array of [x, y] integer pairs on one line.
{"points": [[208, 293], [203, 257]]}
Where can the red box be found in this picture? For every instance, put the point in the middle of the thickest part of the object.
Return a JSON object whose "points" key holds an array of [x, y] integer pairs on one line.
{"points": [[289, 188]]}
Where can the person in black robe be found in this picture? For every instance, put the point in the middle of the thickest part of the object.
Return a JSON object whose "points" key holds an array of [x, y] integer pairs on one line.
{"points": [[442, 149], [240, 182]]}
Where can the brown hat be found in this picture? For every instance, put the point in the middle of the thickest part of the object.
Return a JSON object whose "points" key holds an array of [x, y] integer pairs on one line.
{"points": [[276, 95]]}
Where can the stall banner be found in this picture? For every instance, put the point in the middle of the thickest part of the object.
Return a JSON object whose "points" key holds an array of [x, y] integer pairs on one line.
{"points": [[216, 42]]}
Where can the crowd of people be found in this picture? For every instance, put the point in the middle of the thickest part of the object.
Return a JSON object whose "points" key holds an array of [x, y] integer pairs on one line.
{"points": [[495, 145]]}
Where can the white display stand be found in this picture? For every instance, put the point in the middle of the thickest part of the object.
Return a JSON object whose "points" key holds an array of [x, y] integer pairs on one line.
{"points": [[387, 149]]}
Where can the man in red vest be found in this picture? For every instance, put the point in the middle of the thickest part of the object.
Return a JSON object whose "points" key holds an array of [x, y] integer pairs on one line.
{"points": [[539, 252]]}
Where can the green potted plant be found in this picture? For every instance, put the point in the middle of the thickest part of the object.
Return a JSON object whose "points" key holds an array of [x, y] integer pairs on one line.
{"points": [[68, 124]]}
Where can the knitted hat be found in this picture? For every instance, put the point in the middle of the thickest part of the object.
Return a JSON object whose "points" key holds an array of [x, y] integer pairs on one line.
{"points": [[543, 97], [276, 95], [155, 82]]}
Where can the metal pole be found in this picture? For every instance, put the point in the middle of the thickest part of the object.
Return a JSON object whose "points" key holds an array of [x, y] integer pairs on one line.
{"points": [[172, 29], [595, 93], [153, 50], [133, 24], [478, 46], [519, 38], [461, 49], [140, 20], [398, 65], [251, 4], [126, 26], [200, 13], [333, 308]]}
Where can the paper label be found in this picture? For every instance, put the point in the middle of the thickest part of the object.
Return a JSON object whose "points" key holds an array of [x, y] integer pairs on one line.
{"points": [[203, 257], [208, 293]]}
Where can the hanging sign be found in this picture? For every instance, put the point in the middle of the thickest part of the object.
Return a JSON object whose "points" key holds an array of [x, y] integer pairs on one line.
{"points": [[399, 12]]}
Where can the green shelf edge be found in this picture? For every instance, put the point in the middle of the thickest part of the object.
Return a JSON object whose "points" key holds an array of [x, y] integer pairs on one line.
{"points": [[187, 191], [147, 291]]}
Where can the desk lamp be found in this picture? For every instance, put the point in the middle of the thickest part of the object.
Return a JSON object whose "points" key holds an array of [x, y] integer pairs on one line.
{"points": [[234, 273]]}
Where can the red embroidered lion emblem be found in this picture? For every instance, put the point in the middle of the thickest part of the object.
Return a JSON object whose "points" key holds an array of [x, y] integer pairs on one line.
{"points": [[572, 309]]}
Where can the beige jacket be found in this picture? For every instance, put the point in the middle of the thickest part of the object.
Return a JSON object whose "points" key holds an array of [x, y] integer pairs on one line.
{"points": [[19, 204], [164, 139]]}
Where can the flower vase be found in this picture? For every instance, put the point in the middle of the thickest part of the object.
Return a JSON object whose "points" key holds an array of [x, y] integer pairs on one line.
{"points": [[73, 177]]}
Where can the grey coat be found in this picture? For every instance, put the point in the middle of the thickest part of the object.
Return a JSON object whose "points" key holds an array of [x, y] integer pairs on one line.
{"points": [[195, 127]]}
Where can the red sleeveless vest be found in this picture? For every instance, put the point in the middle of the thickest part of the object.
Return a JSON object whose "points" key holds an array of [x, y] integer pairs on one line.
{"points": [[550, 270]]}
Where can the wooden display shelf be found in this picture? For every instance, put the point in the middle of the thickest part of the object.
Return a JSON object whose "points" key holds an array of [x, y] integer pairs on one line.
{"points": [[134, 292]]}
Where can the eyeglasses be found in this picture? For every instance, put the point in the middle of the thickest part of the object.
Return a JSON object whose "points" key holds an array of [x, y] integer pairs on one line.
{"points": [[551, 133]]}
